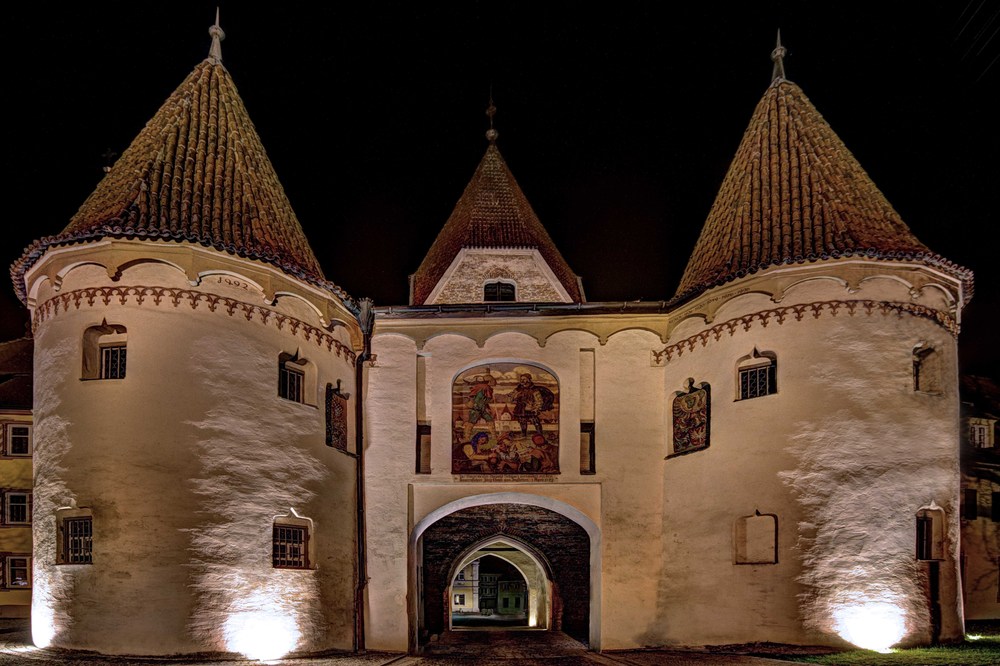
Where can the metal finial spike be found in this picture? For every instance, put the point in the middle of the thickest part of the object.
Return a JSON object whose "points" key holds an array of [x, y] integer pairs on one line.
{"points": [[215, 51], [778, 57], [491, 110]]}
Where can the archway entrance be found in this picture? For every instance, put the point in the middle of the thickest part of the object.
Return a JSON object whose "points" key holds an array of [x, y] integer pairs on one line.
{"points": [[542, 556], [501, 584]]}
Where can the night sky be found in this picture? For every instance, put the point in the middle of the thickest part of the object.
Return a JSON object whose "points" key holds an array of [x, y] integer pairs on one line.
{"points": [[618, 122]]}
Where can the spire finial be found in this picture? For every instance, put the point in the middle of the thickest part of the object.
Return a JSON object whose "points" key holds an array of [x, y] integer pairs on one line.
{"points": [[778, 57], [215, 51], [491, 110]]}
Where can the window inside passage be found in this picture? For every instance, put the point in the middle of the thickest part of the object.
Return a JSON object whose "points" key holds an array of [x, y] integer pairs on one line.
{"points": [[290, 547]]}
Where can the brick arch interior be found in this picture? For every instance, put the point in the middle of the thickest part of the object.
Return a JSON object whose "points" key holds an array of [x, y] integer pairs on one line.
{"points": [[563, 545]]}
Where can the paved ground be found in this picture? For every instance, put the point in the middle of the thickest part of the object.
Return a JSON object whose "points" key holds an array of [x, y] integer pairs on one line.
{"points": [[459, 648]]}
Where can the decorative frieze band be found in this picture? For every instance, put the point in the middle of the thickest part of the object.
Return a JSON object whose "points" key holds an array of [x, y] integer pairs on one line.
{"points": [[797, 312], [175, 296]]}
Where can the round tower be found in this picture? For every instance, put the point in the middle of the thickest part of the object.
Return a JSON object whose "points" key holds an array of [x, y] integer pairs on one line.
{"points": [[195, 467], [812, 379]]}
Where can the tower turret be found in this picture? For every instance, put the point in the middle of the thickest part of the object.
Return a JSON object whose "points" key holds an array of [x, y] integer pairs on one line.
{"points": [[195, 381]]}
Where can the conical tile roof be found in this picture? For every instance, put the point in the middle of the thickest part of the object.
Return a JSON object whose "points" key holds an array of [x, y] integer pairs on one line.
{"points": [[491, 213], [196, 173], [795, 193]]}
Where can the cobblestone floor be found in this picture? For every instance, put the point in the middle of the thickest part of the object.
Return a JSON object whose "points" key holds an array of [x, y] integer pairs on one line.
{"points": [[459, 648]]}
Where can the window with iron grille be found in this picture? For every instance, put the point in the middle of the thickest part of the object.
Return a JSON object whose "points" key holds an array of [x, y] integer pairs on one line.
{"points": [[18, 440], [757, 381], [113, 362], [290, 547], [17, 508], [290, 383], [17, 572], [78, 540]]}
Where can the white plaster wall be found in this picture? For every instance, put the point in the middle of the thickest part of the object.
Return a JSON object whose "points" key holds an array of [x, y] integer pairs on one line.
{"points": [[623, 500], [845, 454], [185, 463]]}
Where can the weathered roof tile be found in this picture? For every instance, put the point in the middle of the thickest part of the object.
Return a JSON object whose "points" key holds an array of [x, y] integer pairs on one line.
{"points": [[795, 193], [492, 213]]}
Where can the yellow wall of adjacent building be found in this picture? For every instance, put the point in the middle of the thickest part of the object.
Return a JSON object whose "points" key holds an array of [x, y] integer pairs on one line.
{"points": [[15, 474]]}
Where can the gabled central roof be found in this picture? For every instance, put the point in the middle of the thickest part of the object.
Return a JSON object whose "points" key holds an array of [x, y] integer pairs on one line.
{"points": [[795, 193], [492, 213], [197, 172]]}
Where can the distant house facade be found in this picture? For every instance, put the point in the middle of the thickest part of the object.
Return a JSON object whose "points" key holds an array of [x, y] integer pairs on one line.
{"points": [[287, 469], [16, 447], [980, 499]]}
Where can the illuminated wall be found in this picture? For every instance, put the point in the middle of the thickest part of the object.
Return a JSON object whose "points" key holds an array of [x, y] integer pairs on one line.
{"points": [[184, 465]]}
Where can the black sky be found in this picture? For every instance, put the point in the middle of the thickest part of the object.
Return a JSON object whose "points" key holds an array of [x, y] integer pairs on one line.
{"points": [[618, 121]]}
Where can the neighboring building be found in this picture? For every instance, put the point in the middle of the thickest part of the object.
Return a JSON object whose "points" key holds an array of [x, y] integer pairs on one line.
{"points": [[221, 429], [15, 477], [980, 498]]}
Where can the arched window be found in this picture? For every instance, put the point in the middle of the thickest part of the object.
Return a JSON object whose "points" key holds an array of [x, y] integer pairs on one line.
{"points": [[926, 369], [104, 351], [757, 375], [290, 542], [930, 534], [499, 291], [296, 379]]}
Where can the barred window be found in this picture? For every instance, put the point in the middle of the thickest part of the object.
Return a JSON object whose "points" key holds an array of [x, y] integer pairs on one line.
{"points": [[296, 379], [290, 383], [757, 375], [17, 571], [78, 540], [17, 508], [290, 547], [113, 362], [18, 440]]}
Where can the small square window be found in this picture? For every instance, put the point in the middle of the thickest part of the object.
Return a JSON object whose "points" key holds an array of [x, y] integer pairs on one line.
{"points": [[290, 547], [113, 362], [459, 599], [18, 440], [78, 540], [17, 572], [17, 508]]}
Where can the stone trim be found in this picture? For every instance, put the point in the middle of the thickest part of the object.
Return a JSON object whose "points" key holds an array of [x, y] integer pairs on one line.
{"points": [[142, 295], [798, 312]]}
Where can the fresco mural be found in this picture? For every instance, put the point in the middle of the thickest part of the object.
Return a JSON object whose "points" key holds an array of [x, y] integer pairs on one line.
{"points": [[691, 412], [505, 420]]}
